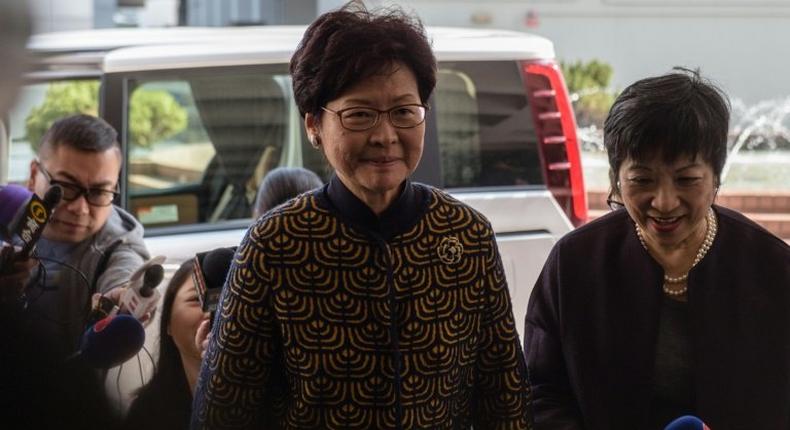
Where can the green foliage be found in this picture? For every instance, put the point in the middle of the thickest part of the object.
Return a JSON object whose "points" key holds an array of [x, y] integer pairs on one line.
{"points": [[154, 114], [588, 84], [62, 99]]}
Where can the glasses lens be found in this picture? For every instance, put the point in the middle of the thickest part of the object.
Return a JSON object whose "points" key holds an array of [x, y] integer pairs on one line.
{"points": [[99, 197], [359, 118], [70, 191], [407, 116]]}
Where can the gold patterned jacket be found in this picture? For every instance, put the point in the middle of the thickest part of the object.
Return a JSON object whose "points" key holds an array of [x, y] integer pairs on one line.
{"points": [[333, 317]]}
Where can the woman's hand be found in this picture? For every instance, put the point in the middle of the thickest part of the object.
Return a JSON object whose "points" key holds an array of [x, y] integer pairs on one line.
{"points": [[203, 336]]}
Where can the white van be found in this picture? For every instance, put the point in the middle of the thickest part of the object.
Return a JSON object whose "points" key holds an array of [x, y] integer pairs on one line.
{"points": [[204, 113]]}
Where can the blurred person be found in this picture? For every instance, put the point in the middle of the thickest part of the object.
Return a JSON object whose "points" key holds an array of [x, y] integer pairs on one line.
{"points": [[165, 402], [15, 28], [374, 301], [673, 305], [281, 185]]}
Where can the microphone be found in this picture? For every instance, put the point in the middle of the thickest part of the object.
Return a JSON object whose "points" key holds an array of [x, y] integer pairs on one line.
{"points": [[23, 214], [687, 422], [111, 341], [211, 269], [141, 294]]}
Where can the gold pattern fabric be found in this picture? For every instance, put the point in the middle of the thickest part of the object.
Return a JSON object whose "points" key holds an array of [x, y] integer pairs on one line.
{"points": [[325, 325]]}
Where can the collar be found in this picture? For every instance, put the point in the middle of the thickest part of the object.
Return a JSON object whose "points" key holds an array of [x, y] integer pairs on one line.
{"points": [[401, 215]]}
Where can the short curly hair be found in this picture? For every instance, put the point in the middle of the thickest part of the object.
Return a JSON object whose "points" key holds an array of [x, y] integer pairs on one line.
{"points": [[676, 114], [346, 46]]}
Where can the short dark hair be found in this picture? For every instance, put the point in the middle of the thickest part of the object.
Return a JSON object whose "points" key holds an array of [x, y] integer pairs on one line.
{"points": [[282, 184], [676, 114], [82, 132], [346, 46]]}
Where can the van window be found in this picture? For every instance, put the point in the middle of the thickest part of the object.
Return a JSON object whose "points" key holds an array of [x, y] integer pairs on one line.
{"points": [[485, 129], [38, 106], [199, 145]]}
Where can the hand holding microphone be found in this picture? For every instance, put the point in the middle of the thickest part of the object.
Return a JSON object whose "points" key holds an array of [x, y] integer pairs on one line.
{"points": [[23, 217], [209, 274], [115, 330], [140, 295]]}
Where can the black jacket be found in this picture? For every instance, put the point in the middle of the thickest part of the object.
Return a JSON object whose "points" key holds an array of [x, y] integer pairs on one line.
{"points": [[592, 322]]}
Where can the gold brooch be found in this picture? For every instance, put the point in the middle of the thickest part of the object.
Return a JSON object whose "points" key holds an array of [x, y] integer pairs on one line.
{"points": [[450, 250]]}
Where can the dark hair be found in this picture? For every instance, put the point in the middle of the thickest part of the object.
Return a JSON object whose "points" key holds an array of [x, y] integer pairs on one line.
{"points": [[676, 114], [346, 46], [282, 184], [169, 381], [82, 132]]}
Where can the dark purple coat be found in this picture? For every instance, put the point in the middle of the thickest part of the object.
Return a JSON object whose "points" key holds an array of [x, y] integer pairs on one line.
{"points": [[592, 322]]}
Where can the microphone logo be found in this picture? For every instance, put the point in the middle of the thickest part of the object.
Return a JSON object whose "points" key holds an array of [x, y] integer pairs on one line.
{"points": [[36, 219], [38, 212]]}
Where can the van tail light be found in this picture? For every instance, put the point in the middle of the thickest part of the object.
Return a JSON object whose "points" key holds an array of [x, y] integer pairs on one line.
{"points": [[555, 128]]}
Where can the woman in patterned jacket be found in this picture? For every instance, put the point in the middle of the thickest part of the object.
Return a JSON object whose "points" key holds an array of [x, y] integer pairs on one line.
{"points": [[372, 302]]}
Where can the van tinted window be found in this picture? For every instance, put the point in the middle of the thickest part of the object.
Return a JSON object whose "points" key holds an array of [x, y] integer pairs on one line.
{"points": [[201, 141], [200, 144], [486, 134]]}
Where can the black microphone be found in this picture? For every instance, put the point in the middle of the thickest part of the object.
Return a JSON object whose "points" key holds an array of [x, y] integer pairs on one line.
{"points": [[151, 279], [24, 215], [687, 422], [111, 341], [209, 274]]}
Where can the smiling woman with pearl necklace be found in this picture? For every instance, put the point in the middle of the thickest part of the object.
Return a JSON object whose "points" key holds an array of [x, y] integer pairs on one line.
{"points": [[669, 305]]}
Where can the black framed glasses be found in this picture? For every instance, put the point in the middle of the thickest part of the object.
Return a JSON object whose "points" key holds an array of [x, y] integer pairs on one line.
{"points": [[72, 191], [365, 118]]}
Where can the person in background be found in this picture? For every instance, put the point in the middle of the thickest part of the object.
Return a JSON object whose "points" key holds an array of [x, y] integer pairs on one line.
{"points": [[372, 302], [670, 305], [282, 184], [165, 402], [15, 28]]}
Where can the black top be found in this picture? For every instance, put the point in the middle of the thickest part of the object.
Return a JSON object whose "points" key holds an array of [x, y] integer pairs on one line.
{"points": [[593, 321], [673, 391]]}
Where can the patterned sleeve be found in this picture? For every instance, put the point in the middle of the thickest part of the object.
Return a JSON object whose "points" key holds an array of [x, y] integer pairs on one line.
{"points": [[239, 363], [502, 392]]}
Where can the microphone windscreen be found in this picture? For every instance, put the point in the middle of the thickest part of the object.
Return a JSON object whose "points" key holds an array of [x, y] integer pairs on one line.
{"points": [[687, 422], [153, 276], [112, 341], [12, 199], [52, 197], [216, 265]]}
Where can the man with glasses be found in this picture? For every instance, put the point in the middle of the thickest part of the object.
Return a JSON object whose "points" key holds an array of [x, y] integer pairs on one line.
{"points": [[89, 245]]}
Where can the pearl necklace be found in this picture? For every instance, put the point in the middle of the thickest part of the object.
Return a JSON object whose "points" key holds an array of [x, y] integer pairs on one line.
{"points": [[710, 234]]}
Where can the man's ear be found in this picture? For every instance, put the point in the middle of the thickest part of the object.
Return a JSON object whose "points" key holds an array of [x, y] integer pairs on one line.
{"points": [[31, 181]]}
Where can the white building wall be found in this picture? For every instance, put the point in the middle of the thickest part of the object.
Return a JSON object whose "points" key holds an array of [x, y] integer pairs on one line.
{"points": [[743, 45], [61, 15]]}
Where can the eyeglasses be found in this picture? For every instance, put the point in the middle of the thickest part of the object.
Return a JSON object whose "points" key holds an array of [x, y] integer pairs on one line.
{"points": [[365, 118], [614, 204], [72, 191]]}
